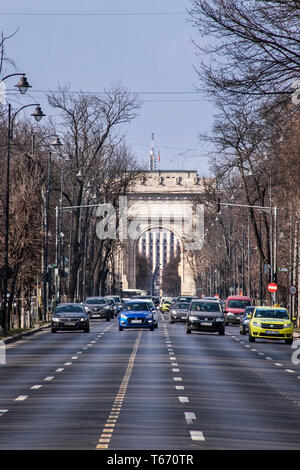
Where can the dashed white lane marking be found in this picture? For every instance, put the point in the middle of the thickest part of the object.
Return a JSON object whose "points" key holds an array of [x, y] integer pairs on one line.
{"points": [[189, 417], [177, 379], [50, 377], [290, 371], [174, 364], [175, 370], [183, 399], [60, 369], [67, 363], [179, 387], [197, 436], [21, 398], [261, 354], [2, 412], [269, 359], [278, 364], [74, 357], [35, 387]]}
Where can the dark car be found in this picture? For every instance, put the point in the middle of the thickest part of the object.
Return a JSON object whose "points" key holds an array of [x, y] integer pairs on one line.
{"points": [[70, 317], [117, 300], [97, 307], [179, 312], [206, 315], [244, 324], [113, 306]]}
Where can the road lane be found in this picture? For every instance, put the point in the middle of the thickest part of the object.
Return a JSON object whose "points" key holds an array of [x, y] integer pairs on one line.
{"points": [[148, 390]]}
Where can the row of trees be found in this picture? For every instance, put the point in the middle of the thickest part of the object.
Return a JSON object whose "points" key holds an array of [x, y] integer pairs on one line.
{"points": [[250, 70], [92, 166]]}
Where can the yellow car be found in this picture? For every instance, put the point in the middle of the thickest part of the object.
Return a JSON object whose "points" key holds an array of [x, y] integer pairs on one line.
{"points": [[165, 305], [271, 323]]}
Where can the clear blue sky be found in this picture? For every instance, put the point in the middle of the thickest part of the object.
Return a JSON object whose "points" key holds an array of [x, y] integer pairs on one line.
{"points": [[148, 54]]}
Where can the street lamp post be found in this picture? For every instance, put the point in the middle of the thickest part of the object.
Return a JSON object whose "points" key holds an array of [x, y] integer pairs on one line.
{"points": [[6, 270]]}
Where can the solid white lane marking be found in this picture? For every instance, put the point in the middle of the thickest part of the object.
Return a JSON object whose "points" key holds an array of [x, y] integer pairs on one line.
{"points": [[189, 417], [21, 398], [183, 399], [197, 436], [50, 377], [35, 387]]}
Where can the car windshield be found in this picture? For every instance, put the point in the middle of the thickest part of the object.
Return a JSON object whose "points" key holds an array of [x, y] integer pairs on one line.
{"points": [[69, 309], [185, 299], [110, 301], [182, 306], [95, 301], [239, 303], [272, 313], [136, 307], [205, 307]]}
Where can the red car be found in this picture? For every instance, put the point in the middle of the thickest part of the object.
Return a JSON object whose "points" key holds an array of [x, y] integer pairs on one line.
{"points": [[235, 306]]}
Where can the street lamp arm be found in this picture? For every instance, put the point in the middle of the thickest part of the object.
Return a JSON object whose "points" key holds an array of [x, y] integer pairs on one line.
{"points": [[16, 113], [12, 75]]}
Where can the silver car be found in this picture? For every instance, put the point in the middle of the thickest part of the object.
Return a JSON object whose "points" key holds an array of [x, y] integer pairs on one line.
{"points": [[179, 312]]}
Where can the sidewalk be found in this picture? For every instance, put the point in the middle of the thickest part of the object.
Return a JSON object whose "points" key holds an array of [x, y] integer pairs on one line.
{"points": [[17, 336]]}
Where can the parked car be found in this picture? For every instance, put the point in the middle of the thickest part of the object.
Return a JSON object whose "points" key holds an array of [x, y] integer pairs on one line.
{"points": [[205, 315], [70, 316], [271, 323], [136, 314], [179, 312], [97, 307], [244, 324], [235, 306]]}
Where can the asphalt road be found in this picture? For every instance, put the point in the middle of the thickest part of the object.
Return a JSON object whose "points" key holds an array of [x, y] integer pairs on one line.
{"points": [[142, 390]]}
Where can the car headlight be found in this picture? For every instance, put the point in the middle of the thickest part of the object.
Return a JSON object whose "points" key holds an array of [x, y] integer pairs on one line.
{"points": [[193, 318], [106, 307], [174, 312], [287, 325], [256, 323], [83, 319], [123, 316], [55, 319]]}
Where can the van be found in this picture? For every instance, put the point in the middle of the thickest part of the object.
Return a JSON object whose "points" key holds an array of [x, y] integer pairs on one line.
{"points": [[234, 308]]}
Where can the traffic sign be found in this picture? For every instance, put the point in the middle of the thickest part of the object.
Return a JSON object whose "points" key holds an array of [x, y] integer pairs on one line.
{"points": [[293, 289], [272, 287]]}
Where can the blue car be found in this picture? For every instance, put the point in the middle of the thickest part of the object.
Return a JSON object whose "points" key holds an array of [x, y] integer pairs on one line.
{"points": [[136, 314]]}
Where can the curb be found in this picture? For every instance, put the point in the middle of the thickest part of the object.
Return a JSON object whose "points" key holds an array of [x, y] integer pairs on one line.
{"points": [[12, 339]]}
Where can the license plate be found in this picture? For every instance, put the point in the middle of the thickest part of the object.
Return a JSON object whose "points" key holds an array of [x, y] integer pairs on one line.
{"points": [[271, 332], [183, 318], [70, 323], [136, 321], [206, 323]]}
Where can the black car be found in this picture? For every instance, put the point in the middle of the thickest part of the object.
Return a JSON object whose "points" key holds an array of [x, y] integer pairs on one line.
{"points": [[97, 307], [70, 317], [205, 315], [113, 306], [244, 323]]}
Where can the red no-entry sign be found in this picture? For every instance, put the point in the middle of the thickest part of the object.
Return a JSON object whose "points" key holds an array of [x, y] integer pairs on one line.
{"points": [[272, 287]]}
